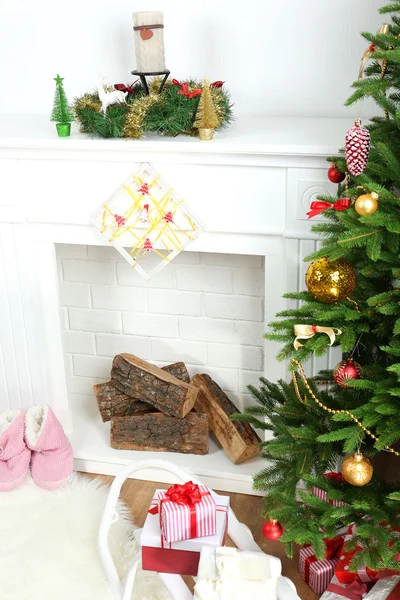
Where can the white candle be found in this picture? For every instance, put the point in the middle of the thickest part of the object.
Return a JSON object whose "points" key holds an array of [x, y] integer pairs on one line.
{"points": [[149, 41]]}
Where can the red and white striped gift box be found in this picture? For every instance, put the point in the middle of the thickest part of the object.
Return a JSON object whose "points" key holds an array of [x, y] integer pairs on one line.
{"points": [[178, 557], [186, 521], [322, 495], [317, 573]]}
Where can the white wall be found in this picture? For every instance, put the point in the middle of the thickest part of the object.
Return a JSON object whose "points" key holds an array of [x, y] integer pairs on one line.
{"points": [[204, 309], [279, 57]]}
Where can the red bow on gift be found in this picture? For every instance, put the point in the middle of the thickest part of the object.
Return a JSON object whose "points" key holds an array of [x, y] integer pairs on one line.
{"points": [[185, 91], [189, 493], [353, 591], [319, 206], [334, 475], [121, 87], [217, 84]]}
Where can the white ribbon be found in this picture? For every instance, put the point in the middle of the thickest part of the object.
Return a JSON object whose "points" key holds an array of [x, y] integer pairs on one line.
{"points": [[306, 332]]}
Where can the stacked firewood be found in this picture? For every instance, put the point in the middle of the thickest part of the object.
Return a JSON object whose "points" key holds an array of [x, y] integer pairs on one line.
{"points": [[162, 409]]}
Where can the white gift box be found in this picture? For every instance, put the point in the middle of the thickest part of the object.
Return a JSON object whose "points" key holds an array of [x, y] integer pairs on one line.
{"points": [[178, 557], [229, 574]]}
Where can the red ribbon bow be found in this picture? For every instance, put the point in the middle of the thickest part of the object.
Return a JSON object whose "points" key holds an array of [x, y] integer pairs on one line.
{"points": [[121, 87], [353, 591], [333, 547], [319, 206], [333, 475], [185, 91], [188, 493], [214, 84]]}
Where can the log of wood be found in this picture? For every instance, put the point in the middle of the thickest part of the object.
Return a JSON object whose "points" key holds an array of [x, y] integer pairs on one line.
{"points": [[238, 439], [139, 379], [160, 433], [179, 371], [114, 403]]}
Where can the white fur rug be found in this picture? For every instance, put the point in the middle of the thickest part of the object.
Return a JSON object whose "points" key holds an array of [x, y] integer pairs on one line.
{"points": [[48, 545]]}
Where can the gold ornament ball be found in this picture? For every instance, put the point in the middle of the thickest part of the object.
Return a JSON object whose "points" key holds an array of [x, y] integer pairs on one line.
{"points": [[367, 204], [357, 470], [330, 282]]}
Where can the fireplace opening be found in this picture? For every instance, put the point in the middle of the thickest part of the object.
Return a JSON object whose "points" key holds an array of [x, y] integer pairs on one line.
{"points": [[204, 309]]}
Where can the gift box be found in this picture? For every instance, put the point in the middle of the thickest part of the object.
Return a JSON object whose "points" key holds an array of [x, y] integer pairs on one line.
{"points": [[181, 557], [363, 574], [318, 573], [385, 589], [323, 495], [186, 511], [356, 590], [230, 573]]}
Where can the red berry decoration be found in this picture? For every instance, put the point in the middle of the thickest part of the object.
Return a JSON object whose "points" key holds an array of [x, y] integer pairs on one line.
{"points": [[272, 530], [345, 370], [358, 141], [335, 175]]}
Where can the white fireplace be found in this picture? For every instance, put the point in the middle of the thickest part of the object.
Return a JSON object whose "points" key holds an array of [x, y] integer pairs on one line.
{"points": [[68, 303]]}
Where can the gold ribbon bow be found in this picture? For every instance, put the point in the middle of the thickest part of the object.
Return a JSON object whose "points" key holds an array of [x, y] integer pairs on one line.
{"points": [[366, 56], [306, 332]]}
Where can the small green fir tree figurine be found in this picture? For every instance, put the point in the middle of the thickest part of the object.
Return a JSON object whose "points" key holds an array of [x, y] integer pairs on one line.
{"points": [[62, 112], [206, 117]]}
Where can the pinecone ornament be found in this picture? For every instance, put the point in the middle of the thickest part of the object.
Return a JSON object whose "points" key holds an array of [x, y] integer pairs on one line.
{"points": [[358, 142]]}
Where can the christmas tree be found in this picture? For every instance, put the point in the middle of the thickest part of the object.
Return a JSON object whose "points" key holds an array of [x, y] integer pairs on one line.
{"points": [[206, 115], [353, 300], [62, 112]]}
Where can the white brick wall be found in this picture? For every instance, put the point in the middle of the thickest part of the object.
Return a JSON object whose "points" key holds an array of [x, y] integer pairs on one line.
{"points": [[205, 309]]}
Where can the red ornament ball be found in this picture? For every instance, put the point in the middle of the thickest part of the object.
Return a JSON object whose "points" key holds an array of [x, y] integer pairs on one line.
{"points": [[335, 175], [345, 370], [272, 530]]}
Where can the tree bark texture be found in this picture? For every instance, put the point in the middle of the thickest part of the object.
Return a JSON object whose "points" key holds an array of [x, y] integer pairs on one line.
{"points": [[238, 439], [114, 403], [148, 383], [157, 432]]}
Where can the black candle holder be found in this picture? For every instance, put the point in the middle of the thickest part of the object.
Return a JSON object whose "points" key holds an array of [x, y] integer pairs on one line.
{"points": [[144, 74]]}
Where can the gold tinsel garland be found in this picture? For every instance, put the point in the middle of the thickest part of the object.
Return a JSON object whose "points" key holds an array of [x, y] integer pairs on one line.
{"points": [[86, 102], [133, 127], [218, 99], [131, 119]]}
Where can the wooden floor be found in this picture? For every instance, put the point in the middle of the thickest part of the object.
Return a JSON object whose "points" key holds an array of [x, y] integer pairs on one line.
{"points": [[138, 495]]}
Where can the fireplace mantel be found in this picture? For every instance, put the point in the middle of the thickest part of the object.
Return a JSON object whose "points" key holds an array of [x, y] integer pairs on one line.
{"points": [[251, 187]]}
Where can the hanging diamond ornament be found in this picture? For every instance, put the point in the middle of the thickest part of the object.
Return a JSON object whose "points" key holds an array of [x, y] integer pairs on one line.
{"points": [[147, 222], [358, 141]]}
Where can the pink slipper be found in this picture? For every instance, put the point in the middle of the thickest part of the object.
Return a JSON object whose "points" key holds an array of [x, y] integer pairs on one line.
{"points": [[14, 455], [52, 458]]}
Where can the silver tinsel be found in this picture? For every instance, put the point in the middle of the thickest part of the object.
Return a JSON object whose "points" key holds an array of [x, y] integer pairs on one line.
{"points": [[380, 590]]}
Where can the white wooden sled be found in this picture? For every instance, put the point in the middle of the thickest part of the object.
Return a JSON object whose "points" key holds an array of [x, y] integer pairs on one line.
{"points": [[239, 533]]}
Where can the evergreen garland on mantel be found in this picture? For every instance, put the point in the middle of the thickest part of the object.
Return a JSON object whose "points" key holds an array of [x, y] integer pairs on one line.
{"points": [[170, 113]]}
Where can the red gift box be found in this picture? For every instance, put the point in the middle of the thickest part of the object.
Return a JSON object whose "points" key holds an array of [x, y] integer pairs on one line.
{"points": [[318, 573], [181, 557], [323, 495], [187, 511], [364, 574]]}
